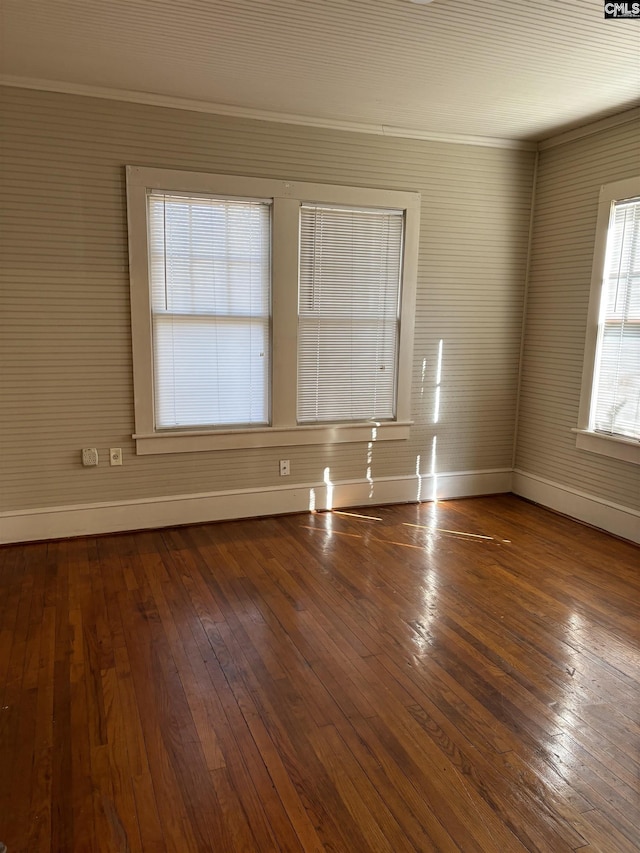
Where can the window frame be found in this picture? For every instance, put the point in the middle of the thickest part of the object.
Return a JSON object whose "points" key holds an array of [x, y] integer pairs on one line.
{"points": [[286, 196], [617, 447]]}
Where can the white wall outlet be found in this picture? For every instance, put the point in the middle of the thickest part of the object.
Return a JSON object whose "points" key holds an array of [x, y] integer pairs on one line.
{"points": [[284, 468], [89, 456], [115, 456]]}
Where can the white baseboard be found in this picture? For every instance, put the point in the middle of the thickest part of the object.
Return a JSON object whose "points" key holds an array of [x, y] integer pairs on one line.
{"points": [[619, 520], [88, 519]]}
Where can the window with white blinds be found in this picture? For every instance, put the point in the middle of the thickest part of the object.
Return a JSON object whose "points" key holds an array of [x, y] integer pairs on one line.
{"points": [[616, 397], [348, 321], [609, 413], [269, 313], [210, 270]]}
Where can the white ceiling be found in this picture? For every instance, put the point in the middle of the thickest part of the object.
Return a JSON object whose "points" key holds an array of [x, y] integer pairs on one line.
{"points": [[520, 70]]}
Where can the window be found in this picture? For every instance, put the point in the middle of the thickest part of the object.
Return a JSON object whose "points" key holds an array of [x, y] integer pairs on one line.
{"points": [[210, 278], [610, 404], [349, 290], [268, 313]]}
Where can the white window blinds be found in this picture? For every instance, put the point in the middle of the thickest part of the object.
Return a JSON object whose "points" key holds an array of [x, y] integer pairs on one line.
{"points": [[616, 406], [210, 271], [348, 322]]}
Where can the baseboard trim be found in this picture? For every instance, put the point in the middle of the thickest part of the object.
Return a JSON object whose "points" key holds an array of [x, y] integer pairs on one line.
{"points": [[89, 519], [614, 518]]}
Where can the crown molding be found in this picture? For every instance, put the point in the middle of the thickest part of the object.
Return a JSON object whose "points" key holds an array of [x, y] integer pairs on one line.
{"points": [[150, 99], [588, 129]]}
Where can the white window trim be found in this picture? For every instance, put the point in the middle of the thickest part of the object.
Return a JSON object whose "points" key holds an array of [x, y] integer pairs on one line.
{"points": [[587, 438], [287, 197]]}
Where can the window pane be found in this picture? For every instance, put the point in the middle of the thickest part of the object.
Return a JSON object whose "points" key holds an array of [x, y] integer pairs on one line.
{"points": [[210, 291], [212, 372], [349, 290], [616, 408]]}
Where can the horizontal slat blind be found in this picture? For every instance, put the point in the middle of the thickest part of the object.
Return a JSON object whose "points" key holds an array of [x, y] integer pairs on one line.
{"points": [[349, 289], [210, 291], [617, 398]]}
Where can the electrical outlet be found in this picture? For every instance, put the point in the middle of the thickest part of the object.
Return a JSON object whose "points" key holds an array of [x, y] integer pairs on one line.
{"points": [[284, 468], [89, 456], [115, 456]]}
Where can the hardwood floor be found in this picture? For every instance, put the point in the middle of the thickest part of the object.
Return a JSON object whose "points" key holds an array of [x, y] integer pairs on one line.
{"points": [[454, 676]]}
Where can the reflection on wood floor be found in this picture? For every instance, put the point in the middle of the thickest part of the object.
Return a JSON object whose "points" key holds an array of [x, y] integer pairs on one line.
{"points": [[454, 676]]}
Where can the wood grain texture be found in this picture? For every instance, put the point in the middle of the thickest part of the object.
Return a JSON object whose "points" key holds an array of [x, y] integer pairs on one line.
{"points": [[459, 676]]}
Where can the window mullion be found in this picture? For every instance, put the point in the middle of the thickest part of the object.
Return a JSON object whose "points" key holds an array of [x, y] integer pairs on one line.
{"points": [[284, 274]]}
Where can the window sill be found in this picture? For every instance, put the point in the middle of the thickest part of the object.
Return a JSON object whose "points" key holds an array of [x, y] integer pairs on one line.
{"points": [[193, 441], [617, 447]]}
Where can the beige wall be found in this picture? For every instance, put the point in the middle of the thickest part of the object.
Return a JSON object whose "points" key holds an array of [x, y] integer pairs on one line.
{"points": [[569, 180], [67, 377]]}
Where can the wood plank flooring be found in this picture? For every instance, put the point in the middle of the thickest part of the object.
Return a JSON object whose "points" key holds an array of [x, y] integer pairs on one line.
{"points": [[459, 676]]}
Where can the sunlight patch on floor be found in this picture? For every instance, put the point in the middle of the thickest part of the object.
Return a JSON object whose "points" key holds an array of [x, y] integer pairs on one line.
{"points": [[356, 515], [460, 533], [360, 536]]}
